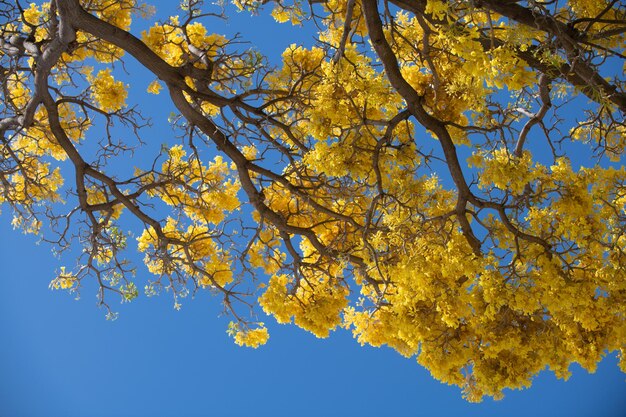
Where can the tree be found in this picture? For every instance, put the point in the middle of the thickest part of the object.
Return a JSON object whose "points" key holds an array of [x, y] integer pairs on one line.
{"points": [[332, 191]]}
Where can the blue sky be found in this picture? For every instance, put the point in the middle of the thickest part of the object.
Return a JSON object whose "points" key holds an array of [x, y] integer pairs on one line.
{"points": [[60, 357]]}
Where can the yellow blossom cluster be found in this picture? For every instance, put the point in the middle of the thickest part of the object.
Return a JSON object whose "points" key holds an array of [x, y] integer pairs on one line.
{"points": [[167, 41], [205, 193], [249, 337], [33, 16], [19, 92], [35, 182], [64, 280], [109, 94], [193, 251], [116, 12], [98, 196], [506, 171], [38, 140], [265, 252], [315, 302], [154, 87]]}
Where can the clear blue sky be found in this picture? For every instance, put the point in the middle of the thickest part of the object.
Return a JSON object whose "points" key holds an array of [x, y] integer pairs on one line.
{"points": [[60, 358]]}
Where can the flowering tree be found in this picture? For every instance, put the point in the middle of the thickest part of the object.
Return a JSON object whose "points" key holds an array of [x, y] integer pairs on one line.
{"points": [[334, 190]]}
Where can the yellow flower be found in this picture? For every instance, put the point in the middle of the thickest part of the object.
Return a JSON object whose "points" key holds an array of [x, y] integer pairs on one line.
{"points": [[280, 15], [63, 281], [252, 338], [108, 93], [32, 14], [154, 87]]}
